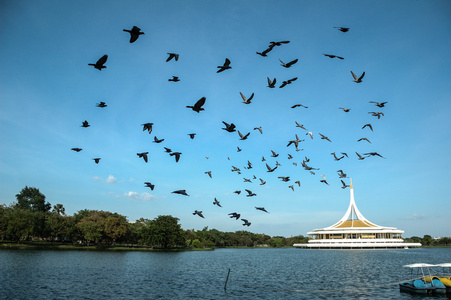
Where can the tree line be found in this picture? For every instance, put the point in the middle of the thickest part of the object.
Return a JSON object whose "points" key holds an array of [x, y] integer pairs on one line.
{"points": [[31, 218]]}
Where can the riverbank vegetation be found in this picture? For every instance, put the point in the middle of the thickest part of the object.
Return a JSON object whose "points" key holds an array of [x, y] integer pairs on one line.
{"points": [[33, 222]]}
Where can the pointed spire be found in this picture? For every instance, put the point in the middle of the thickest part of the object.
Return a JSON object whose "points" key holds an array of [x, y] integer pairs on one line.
{"points": [[351, 185]]}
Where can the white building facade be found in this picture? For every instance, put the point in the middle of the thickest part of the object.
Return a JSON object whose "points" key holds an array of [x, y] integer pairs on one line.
{"points": [[354, 231]]}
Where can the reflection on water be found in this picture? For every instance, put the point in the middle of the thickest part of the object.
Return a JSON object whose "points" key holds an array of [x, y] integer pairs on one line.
{"points": [[255, 274]]}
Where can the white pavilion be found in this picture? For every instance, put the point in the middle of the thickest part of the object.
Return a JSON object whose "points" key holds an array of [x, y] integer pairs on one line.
{"points": [[354, 231]]}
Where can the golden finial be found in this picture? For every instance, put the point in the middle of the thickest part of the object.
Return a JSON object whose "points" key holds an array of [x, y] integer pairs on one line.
{"points": [[351, 184]]}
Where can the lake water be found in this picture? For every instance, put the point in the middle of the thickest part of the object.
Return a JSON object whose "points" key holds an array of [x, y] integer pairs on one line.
{"points": [[254, 274]]}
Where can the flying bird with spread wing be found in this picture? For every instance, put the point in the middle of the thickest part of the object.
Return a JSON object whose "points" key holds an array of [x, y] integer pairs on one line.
{"points": [[135, 32], [172, 56], [199, 213], [271, 84], [85, 124], [198, 106], [180, 192], [101, 105], [149, 185], [343, 29], [225, 66], [99, 65], [143, 155], [96, 160], [287, 65], [247, 100], [357, 79], [148, 127], [333, 56], [284, 83], [229, 127]]}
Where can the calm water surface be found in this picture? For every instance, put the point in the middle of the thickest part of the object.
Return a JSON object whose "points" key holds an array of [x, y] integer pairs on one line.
{"points": [[255, 274]]}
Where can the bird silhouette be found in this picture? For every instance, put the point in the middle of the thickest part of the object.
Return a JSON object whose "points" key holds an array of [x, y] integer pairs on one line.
{"points": [[270, 169], [173, 55], [101, 105], [360, 156], [335, 157], [167, 150], [345, 109], [156, 140], [324, 181], [287, 65], [199, 213], [376, 114], [99, 65], [174, 79], [265, 52], [247, 180], [192, 135], [284, 83], [299, 105], [369, 126], [272, 44], [229, 127], [250, 193], [343, 29], [198, 106], [259, 129], [341, 174], [235, 215], [364, 139], [333, 56], [357, 79], [96, 160], [135, 32], [246, 222], [177, 155], [225, 66], [298, 182], [344, 184], [301, 126], [323, 137], [148, 127], [216, 202], [243, 137], [262, 182], [238, 149], [85, 124], [382, 104], [237, 192], [373, 154], [310, 134], [180, 192], [149, 185], [143, 155], [262, 209], [284, 178], [76, 149], [271, 84], [247, 100], [209, 173], [274, 154]]}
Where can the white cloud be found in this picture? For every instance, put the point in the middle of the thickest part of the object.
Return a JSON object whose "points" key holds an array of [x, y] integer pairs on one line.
{"points": [[111, 179], [97, 178], [415, 216], [136, 196]]}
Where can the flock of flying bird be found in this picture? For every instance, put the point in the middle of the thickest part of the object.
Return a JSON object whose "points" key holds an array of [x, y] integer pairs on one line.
{"points": [[197, 107]]}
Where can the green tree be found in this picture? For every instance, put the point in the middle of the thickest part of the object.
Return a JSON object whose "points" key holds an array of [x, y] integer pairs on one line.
{"points": [[427, 240], [115, 227], [59, 227], [20, 224], [32, 199], [59, 209], [167, 233]]}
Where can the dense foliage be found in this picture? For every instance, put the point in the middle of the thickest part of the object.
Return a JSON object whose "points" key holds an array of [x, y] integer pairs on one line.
{"points": [[30, 218]]}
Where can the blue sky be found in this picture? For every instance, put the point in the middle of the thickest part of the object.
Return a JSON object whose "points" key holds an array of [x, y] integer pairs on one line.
{"points": [[47, 90]]}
